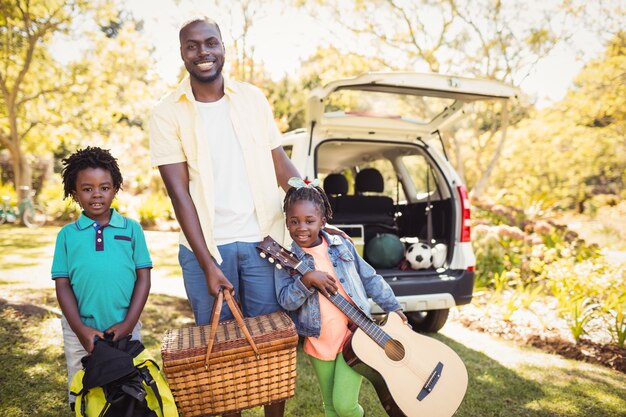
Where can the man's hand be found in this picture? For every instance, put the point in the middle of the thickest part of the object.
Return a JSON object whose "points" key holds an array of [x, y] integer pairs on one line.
{"points": [[87, 336], [332, 230], [216, 280], [120, 329], [320, 280]]}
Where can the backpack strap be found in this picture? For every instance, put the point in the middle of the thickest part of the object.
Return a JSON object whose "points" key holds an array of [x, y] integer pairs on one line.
{"points": [[105, 409], [149, 380], [83, 404]]}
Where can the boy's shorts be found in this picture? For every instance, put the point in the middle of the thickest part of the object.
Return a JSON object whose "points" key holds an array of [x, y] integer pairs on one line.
{"points": [[251, 276], [74, 352]]}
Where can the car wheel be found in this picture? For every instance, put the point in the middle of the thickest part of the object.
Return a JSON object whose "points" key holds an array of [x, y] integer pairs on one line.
{"points": [[429, 321]]}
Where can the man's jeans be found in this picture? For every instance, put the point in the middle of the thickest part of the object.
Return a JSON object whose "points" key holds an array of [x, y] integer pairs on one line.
{"points": [[251, 276]]}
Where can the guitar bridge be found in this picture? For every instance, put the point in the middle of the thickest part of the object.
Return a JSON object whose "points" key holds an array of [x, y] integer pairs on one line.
{"points": [[431, 382]]}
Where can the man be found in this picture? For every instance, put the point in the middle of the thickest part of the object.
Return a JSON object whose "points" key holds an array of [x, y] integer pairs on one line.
{"points": [[219, 154]]}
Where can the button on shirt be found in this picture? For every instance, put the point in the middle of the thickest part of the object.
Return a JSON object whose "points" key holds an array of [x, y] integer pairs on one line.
{"points": [[177, 135], [101, 264]]}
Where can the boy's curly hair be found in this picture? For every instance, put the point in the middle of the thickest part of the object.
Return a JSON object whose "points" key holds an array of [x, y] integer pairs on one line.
{"points": [[90, 157], [309, 193]]}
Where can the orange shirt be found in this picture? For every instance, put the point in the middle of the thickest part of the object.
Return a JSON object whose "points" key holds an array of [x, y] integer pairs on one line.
{"points": [[334, 326]]}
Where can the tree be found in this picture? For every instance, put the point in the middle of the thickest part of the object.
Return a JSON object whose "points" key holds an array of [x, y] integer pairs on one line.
{"points": [[101, 97], [485, 38], [110, 101], [27, 71], [569, 153], [288, 96]]}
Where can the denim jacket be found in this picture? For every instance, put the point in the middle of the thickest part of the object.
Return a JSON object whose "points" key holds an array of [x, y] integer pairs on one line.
{"points": [[357, 277]]}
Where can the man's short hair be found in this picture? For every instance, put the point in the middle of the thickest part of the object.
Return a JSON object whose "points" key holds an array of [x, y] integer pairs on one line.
{"points": [[205, 19]]}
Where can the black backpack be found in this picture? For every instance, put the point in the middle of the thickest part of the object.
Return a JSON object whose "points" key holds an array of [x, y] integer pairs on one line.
{"points": [[118, 380]]}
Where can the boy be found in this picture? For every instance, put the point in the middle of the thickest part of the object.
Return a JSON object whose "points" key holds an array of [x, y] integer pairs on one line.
{"points": [[101, 264]]}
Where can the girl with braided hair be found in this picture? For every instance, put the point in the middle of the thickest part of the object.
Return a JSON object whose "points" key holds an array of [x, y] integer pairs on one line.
{"points": [[337, 268]]}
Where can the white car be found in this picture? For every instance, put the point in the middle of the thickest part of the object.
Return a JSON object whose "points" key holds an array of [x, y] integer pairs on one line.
{"points": [[374, 142]]}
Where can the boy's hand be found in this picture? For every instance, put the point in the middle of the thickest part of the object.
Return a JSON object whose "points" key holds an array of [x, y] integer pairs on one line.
{"points": [[320, 280], [120, 330], [87, 336]]}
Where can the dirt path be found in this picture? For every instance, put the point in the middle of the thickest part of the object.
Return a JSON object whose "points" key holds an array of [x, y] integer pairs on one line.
{"points": [[166, 277]]}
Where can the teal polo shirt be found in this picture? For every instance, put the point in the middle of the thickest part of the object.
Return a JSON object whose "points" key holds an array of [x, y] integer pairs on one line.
{"points": [[101, 264]]}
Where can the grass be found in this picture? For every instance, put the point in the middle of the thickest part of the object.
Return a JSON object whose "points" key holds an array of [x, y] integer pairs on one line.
{"points": [[505, 380]]}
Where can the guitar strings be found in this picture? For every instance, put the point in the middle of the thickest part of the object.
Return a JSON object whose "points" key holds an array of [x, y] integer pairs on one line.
{"points": [[380, 337]]}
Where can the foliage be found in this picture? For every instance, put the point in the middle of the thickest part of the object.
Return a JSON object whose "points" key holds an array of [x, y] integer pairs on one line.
{"points": [[501, 40], [110, 110], [615, 306], [539, 258], [576, 150], [578, 311], [60, 209], [288, 96], [517, 244], [154, 207], [9, 191], [30, 78], [98, 96]]}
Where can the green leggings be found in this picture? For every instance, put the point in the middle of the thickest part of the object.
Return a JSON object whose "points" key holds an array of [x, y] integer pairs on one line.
{"points": [[340, 386]]}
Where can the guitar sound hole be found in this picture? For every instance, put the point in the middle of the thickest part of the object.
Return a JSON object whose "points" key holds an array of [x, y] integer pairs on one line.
{"points": [[394, 350]]}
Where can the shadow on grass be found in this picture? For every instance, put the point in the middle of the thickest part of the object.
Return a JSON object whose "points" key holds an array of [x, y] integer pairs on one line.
{"points": [[25, 238], [32, 371], [496, 390], [163, 312], [33, 376], [28, 245], [28, 309], [21, 264]]}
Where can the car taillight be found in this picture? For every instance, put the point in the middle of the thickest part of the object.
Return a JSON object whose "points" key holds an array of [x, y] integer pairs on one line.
{"points": [[465, 214]]}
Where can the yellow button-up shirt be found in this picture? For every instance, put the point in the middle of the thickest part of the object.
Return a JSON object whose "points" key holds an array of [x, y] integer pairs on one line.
{"points": [[176, 135]]}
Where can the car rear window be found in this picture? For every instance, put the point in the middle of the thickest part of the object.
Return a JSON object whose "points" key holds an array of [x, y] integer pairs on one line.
{"points": [[418, 109]]}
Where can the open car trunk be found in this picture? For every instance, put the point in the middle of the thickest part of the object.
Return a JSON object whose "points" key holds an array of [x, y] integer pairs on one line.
{"points": [[388, 188]]}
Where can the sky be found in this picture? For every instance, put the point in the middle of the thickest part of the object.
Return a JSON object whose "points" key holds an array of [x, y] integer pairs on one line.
{"points": [[283, 41]]}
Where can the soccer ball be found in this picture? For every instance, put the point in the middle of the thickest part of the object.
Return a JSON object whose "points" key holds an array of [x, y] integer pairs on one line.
{"points": [[419, 256], [439, 252]]}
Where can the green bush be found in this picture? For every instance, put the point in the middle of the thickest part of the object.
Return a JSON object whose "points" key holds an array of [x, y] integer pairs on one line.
{"points": [[539, 258], [510, 242], [58, 208], [153, 208], [8, 190]]}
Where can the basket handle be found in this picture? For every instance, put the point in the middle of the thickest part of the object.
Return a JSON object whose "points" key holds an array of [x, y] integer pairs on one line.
{"points": [[215, 318]]}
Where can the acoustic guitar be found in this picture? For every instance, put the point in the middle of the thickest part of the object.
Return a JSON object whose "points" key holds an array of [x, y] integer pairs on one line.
{"points": [[414, 375]]}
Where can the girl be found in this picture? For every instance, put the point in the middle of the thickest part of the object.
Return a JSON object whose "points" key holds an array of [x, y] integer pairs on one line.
{"points": [[101, 266], [338, 268]]}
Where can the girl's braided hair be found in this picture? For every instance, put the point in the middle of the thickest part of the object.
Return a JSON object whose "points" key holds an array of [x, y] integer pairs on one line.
{"points": [[311, 193], [90, 157]]}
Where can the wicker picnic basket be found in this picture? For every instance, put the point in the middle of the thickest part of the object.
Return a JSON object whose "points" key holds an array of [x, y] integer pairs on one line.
{"points": [[231, 365]]}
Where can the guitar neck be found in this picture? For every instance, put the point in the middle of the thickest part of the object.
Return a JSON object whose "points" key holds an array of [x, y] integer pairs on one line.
{"points": [[359, 318]]}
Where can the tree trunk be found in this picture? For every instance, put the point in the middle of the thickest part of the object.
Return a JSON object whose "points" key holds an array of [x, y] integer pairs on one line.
{"points": [[455, 148], [23, 176], [481, 184]]}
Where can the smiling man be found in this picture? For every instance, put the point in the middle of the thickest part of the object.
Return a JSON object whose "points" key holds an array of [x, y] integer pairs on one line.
{"points": [[218, 150]]}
